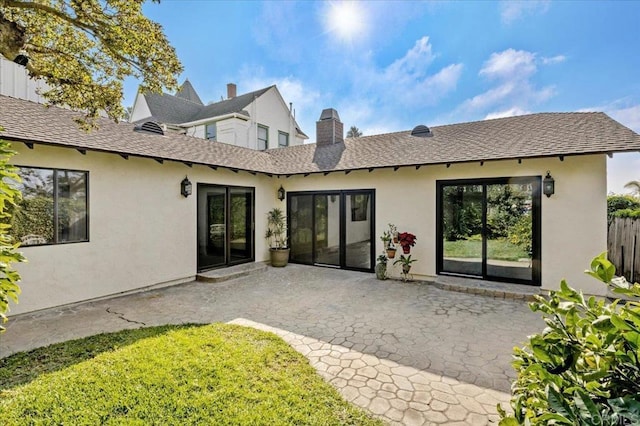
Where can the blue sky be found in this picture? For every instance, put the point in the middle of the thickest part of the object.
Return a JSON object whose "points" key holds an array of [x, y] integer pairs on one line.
{"points": [[388, 66]]}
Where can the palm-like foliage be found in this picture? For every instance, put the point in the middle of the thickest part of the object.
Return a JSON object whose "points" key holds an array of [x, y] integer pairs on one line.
{"points": [[354, 132]]}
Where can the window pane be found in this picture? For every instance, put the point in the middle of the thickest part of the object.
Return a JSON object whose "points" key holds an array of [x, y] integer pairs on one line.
{"points": [[283, 139], [263, 138], [72, 206], [211, 132], [32, 221]]}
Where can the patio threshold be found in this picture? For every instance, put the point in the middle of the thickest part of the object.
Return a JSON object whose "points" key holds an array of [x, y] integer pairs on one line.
{"points": [[500, 290], [231, 272]]}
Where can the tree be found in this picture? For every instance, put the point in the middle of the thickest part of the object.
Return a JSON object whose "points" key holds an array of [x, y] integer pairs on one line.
{"points": [[354, 132], [634, 185], [83, 50], [9, 277]]}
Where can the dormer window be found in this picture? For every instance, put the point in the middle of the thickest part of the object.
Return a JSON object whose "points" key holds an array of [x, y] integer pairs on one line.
{"points": [[211, 132]]}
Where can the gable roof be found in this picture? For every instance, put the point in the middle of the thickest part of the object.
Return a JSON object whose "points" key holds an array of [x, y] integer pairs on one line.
{"points": [[188, 92], [522, 137], [182, 108]]}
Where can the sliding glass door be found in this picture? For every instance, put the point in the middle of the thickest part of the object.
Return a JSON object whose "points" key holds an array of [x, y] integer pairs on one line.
{"points": [[332, 228], [225, 225], [490, 228]]}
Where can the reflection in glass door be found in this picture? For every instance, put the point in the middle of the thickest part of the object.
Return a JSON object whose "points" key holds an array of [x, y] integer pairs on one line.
{"points": [[490, 228], [332, 228], [225, 226]]}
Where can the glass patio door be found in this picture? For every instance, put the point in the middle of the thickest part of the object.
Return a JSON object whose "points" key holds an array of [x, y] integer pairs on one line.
{"points": [[490, 228], [225, 226], [332, 228]]}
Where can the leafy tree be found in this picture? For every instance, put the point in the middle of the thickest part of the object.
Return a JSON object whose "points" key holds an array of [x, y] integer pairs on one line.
{"points": [[635, 186], [621, 202], [354, 132], [83, 49], [9, 278], [583, 369]]}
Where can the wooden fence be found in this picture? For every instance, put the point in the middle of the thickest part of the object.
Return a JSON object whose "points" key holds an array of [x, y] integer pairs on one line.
{"points": [[624, 247]]}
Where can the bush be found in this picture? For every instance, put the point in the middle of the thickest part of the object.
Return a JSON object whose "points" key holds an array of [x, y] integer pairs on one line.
{"points": [[621, 202], [584, 367], [629, 213]]}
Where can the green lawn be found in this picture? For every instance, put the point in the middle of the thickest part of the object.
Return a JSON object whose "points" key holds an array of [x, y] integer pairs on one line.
{"points": [[497, 249], [171, 375]]}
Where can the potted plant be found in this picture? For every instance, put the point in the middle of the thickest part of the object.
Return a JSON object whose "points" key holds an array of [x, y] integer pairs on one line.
{"points": [[381, 267], [277, 238], [406, 265], [393, 230], [407, 240], [388, 245]]}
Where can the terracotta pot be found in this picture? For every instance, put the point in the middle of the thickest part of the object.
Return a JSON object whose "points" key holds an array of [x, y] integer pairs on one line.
{"points": [[395, 240], [391, 253], [279, 257], [406, 249]]}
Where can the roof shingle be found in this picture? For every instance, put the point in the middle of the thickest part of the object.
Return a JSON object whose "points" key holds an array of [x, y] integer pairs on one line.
{"points": [[527, 136]]}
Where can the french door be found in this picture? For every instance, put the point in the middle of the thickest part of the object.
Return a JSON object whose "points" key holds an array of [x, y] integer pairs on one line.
{"points": [[490, 228], [332, 228], [225, 225]]}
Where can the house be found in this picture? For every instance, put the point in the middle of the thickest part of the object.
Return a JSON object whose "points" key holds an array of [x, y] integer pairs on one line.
{"points": [[258, 120], [15, 82], [108, 214]]}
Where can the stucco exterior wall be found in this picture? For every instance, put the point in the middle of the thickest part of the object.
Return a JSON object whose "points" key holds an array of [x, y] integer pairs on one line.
{"points": [[573, 224], [142, 230], [144, 233]]}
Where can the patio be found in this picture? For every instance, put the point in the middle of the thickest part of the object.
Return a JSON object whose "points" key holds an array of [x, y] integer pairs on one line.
{"points": [[449, 352]]}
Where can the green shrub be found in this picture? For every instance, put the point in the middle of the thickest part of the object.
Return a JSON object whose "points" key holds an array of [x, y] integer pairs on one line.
{"points": [[629, 213], [621, 202], [584, 367]]}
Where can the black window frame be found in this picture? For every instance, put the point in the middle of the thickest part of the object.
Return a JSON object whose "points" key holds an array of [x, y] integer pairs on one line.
{"points": [[536, 261], [55, 171]]}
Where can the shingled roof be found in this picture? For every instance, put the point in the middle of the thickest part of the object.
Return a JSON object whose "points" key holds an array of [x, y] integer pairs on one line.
{"points": [[186, 107], [528, 136]]}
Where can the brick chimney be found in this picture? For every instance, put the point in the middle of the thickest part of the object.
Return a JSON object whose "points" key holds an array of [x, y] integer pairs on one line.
{"points": [[231, 90], [329, 129]]}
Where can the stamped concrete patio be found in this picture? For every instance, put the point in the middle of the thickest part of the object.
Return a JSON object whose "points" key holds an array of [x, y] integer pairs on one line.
{"points": [[409, 353]]}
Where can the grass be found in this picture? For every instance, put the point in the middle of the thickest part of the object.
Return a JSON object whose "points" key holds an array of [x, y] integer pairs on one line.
{"points": [[497, 250], [171, 375]]}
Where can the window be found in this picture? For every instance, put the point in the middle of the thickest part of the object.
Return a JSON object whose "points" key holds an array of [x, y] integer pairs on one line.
{"points": [[53, 209], [283, 139], [263, 137], [211, 131]]}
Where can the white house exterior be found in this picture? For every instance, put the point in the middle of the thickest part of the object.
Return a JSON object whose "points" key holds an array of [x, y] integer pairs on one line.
{"points": [[257, 120], [15, 82], [133, 228]]}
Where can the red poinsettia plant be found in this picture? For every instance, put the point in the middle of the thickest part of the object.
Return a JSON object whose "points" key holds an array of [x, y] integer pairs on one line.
{"points": [[406, 240]]}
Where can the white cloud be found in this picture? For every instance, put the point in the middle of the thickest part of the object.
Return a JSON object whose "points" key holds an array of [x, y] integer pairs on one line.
{"points": [[415, 62], [511, 112], [554, 59], [511, 72], [513, 10], [509, 64]]}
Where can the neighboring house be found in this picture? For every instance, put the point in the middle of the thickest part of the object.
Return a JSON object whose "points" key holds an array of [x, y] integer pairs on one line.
{"points": [[15, 82], [103, 211], [258, 120]]}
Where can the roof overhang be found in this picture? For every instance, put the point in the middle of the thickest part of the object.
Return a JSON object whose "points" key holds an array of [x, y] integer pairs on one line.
{"points": [[237, 115]]}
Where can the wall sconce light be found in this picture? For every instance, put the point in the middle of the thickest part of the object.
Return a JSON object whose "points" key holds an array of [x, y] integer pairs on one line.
{"points": [[21, 60], [185, 187], [281, 193], [333, 198], [548, 185]]}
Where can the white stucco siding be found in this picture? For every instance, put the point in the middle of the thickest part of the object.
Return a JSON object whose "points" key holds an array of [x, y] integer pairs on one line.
{"points": [[573, 220], [142, 230]]}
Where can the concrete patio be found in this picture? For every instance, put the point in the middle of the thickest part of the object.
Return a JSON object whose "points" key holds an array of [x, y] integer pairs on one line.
{"points": [[410, 353]]}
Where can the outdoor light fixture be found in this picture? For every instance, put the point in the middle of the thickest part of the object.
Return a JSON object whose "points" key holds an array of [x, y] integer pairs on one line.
{"points": [[21, 60], [185, 187], [548, 185], [281, 193]]}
